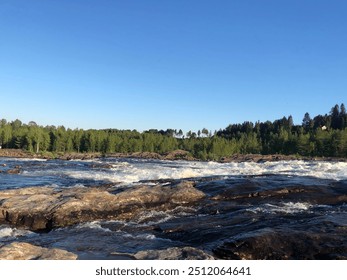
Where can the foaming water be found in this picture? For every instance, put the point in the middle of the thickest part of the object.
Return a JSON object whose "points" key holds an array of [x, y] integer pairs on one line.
{"points": [[152, 217], [129, 171], [286, 208], [292, 200], [8, 233], [93, 225], [150, 170]]}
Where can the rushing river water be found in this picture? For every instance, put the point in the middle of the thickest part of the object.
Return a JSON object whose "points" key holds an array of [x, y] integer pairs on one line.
{"points": [[270, 210]]}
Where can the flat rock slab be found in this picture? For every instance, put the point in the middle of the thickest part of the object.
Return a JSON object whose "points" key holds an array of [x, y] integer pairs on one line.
{"points": [[26, 251], [44, 208]]}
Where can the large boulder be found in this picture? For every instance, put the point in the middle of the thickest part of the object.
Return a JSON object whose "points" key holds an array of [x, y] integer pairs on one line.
{"points": [[44, 208], [26, 251]]}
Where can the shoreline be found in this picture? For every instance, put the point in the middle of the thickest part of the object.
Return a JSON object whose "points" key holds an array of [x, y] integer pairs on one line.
{"points": [[174, 155]]}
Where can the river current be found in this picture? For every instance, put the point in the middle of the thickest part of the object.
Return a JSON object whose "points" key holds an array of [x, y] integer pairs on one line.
{"points": [[243, 216]]}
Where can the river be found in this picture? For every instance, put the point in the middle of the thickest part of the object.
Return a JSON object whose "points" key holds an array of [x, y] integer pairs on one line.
{"points": [[270, 210]]}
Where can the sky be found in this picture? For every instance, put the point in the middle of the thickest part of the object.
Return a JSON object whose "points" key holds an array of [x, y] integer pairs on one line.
{"points": [[181, 64]]}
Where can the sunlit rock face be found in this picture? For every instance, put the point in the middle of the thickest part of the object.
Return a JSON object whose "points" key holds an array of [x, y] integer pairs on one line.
{"points": [[46, 208], [155, 209], [26, 251]]}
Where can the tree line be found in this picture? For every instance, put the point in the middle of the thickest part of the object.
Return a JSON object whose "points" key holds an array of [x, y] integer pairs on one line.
{"points": [[323, 135]]}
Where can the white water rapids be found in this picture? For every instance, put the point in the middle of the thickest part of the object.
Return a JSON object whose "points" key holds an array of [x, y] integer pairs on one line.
{"points": [[137, 170]]}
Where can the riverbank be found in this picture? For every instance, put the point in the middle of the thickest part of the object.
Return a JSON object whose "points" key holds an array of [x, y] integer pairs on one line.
{"points": [[174, 155]]}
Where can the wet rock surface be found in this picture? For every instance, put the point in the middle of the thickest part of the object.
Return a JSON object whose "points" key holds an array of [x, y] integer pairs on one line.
{"points": [[264, 216], [185, 253], [257, 217], [47, 208], [26, 251], [273, 244], [15, 170]]}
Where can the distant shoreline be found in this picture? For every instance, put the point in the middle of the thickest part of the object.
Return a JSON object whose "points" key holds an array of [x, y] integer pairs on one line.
{"points": [[174, 155]]}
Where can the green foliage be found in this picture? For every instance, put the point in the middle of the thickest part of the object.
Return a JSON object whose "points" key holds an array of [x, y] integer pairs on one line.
{"points": [[321, 136]]}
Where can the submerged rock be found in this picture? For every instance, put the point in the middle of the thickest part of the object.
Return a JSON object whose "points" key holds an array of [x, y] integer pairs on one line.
{"points": [[26, 251], [175, 253], [44, 208], [15, 170]]}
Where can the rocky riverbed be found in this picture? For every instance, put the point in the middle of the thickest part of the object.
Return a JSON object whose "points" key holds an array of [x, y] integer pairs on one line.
{"points": [[145, 209]]}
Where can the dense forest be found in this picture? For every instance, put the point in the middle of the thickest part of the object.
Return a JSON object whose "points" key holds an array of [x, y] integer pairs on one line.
{"points": [[323, 135]]}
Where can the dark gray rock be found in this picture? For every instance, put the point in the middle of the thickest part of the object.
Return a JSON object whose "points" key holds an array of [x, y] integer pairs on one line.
{"points": [[175, 253]]}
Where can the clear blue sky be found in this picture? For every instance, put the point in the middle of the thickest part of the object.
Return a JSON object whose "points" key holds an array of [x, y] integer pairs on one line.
{"points": [[140, 64]]}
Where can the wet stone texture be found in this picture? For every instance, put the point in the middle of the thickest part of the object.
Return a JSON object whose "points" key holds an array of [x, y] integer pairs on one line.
{"points": [[267, 216], [46, 208]]}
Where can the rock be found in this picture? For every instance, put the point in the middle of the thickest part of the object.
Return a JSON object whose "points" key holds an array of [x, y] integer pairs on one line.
{"points": [[179, 155], [174, 155], [175, 253], [17, 153], [79, 156], [15, 170], [269, 244], [101, 166], [26, 251], [250, 192], [44, 208], [145, 155], [258, 158]]}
